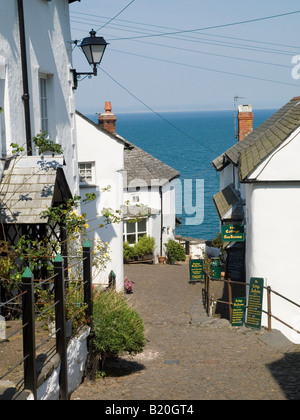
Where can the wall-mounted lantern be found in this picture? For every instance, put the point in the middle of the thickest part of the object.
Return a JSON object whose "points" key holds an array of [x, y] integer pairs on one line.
{"points": [[93, 48]]}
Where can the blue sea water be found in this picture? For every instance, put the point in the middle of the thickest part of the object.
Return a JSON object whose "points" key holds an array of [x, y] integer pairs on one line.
{"points": [[188, 142]]}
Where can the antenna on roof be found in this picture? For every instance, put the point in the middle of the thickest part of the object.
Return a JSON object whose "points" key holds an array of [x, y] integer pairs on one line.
{"points": [[236, 98]]}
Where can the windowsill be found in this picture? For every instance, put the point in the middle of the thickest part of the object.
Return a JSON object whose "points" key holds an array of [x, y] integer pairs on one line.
{"points": [[87, 185]]}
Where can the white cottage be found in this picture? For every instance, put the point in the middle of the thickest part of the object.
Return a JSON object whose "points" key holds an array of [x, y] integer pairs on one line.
{"points": [[101, 164], [123, 177], [263, 175], [35, 78]]}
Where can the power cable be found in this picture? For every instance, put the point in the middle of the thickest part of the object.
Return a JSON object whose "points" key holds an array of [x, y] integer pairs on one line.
{"points": [[157, 113], [209, 69], [169, 28], [118, 14], [225, 25]]}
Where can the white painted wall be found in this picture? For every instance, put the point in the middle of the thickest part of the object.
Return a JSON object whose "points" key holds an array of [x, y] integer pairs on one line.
{"points": [[272, 247], [49, 53], [107, 153], [282, 164], [152, 198]]}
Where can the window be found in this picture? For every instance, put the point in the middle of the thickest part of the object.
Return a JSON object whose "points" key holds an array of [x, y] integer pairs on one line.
{"points": [[133, 230], [44, 104], [86, 173]]}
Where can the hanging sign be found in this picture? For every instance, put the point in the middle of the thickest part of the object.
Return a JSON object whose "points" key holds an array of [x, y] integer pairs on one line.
{"points": [[196, 270], [255, 300], [238, 312], [233, 233]]}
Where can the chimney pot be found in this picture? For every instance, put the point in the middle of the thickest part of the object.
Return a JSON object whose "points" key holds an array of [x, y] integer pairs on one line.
{"points": [[245, 119], [107, 121]]}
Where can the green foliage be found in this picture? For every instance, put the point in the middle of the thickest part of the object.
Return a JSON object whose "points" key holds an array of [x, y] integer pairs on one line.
{"points": [[144, 246], [175, 251], [47, 145], [116, 327]]}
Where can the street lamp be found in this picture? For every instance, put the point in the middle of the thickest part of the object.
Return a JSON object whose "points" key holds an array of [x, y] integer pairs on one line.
{"points": [[93, 48]]}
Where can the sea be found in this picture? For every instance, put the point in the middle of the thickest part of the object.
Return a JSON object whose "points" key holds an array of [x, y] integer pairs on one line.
{"points": [[188, 141]]}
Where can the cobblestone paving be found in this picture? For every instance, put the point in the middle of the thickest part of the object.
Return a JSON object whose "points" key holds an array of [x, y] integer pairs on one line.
{"points": [[189, 356]]}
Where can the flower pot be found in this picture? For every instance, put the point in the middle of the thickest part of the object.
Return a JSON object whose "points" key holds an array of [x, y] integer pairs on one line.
{"points": [[161, 260]]}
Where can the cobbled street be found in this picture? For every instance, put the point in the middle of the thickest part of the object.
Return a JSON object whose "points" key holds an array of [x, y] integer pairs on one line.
{"points": [[189, 356]]}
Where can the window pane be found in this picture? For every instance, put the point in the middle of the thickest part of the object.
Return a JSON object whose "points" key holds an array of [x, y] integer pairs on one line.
{"points": [[142, 226], [130, 227], [131, 239]]}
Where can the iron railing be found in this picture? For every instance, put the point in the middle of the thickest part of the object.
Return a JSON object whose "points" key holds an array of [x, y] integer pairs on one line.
{"points": [[230, 283], [29, 319]]}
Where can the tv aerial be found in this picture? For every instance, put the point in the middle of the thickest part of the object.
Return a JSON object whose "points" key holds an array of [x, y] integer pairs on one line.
{"points": [[235, 100]]}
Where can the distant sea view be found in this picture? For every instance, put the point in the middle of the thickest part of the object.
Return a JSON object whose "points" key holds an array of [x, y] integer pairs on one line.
{"points": [[188, 142]]}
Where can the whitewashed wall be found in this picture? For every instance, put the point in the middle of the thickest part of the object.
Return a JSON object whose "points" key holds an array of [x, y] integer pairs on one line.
{"points": [[272, 247], [49, 53], [108, 154]]}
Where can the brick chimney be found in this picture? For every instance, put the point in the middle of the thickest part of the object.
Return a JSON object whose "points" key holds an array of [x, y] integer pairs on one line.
{"points": [[107, 121], [245, 119]]}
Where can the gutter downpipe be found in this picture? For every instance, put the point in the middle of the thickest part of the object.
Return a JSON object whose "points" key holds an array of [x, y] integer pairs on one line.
{"points": [[25, 96], [161, 221]]}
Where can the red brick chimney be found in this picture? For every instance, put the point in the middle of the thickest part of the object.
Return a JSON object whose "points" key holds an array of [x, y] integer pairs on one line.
{"points": [[107, 121], [245, 118]]}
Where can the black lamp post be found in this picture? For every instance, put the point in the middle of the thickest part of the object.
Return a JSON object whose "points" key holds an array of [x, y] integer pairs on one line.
{"points": [[93, 48]]}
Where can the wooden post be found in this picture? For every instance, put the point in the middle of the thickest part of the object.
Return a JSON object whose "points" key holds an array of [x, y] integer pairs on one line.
{"points": [[87, 278], [60, 325], [30, 379], [269, 290], [230, 298]]}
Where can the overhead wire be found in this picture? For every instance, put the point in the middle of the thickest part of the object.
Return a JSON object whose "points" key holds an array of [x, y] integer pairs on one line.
{"points": [[208, 69], [224, 25], [113, 18], [169, 28], [156, 112]]}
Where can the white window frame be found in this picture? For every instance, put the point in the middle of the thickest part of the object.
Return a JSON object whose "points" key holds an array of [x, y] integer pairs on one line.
{"points": [[87, 173], [44, 103], [134, 232]]}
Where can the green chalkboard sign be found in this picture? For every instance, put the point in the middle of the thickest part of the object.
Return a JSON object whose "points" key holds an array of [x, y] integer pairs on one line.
{"points": [[196, 270], [255, 300], [238, 312]]}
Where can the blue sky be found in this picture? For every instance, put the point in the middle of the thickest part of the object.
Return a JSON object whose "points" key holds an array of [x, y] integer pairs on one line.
{"points": [[194, 70]]}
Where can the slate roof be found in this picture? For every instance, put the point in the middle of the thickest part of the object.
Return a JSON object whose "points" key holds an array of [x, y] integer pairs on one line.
{"points": [[264, 140], [27, 191], [140, 165], [229, 204]]}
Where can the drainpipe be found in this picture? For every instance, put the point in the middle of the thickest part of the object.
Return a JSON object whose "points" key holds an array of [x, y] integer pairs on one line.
{"points": [[25, 96], [161, 221]]}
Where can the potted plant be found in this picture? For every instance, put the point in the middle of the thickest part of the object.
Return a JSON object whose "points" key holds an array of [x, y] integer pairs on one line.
{"points": [[175, 251], [144, 247], [142, 250], [128, 285], [161, 259]]}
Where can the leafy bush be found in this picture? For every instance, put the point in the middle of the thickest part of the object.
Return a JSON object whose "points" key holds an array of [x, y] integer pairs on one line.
{"points": [[175, 251], [116, 327], [144, 246]]}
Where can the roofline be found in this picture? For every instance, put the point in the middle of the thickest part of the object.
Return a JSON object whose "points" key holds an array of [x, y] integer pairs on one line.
{"points": [[111, 135]]}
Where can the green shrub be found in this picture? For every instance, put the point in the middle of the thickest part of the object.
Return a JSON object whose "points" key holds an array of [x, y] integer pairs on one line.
{"points": [[116, 327], [144, 246], [175, 251]]}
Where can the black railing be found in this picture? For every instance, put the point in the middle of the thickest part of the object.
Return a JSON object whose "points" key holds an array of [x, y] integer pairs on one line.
{"points": [[209, 301], [29, 319]]}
